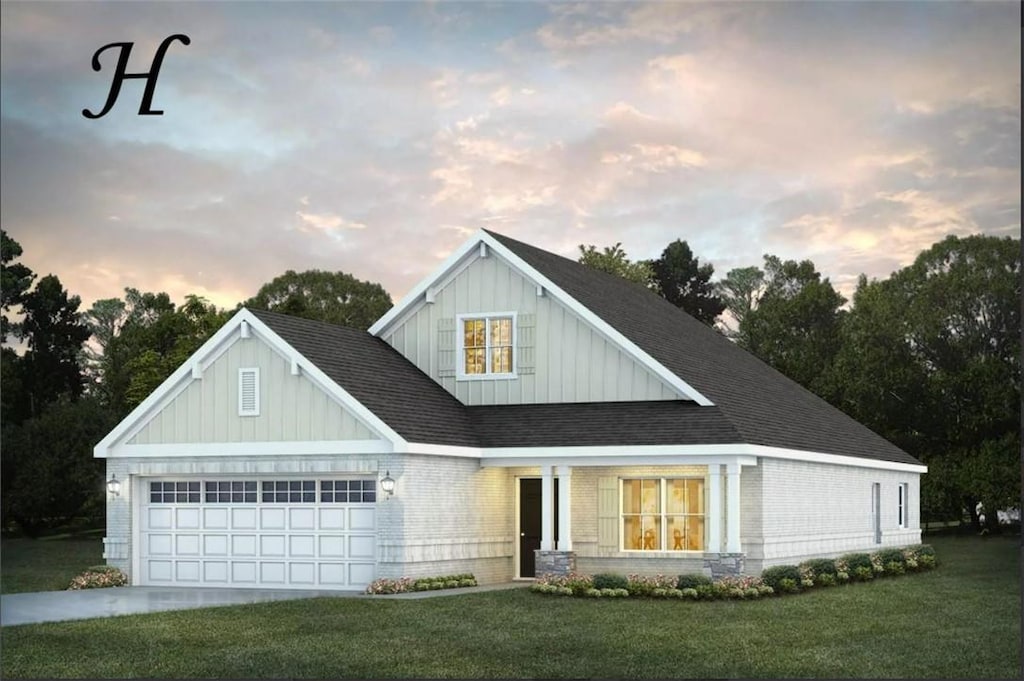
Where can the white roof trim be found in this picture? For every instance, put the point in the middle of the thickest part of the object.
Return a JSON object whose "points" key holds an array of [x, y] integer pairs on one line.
{"points": [[253, 449], [605, 455], [382, 325], [213, 347]]}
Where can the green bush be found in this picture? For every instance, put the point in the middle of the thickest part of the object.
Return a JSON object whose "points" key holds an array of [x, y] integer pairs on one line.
{"points": [[704, 591], [825, 579], [819, 566], [774, 575], [789, 586], [894, 568], [863, 574], [610, 580], [886, 556], [853, 561], [692, 581], [689, 593]]}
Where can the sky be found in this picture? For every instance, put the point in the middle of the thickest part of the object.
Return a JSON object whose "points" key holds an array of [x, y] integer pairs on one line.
{"points": [[375, 137]]}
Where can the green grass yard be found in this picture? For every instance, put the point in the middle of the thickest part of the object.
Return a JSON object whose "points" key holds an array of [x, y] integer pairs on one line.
{"points": [[49, 563], [959, 621]]}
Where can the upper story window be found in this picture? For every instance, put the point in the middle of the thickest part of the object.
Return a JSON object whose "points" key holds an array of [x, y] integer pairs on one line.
{"points": [[486, 345]]}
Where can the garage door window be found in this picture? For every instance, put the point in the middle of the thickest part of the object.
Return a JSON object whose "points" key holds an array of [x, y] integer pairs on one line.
{"points": [[348, 491], [230, 491], [289, 491], [174, 492]]}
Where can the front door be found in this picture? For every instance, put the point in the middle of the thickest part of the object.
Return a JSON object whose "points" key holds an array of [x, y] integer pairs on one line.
{"points": [[530, 523]]}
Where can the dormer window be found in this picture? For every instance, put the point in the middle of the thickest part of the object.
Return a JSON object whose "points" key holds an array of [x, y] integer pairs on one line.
{"points": [[486, 346]]}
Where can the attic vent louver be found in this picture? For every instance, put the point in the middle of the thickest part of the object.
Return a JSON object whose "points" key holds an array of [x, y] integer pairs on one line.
{"points": [[249, 392]]}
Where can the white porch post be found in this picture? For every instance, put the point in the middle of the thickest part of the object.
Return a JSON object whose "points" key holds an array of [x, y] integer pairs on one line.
{"points": [[732, 514], [715, 508], [546, 508], [564, 504]]}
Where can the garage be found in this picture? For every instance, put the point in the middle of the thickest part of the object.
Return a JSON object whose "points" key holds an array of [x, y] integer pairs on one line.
{"points": [[280, 533]]}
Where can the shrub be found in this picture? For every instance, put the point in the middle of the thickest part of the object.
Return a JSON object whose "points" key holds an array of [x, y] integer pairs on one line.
{"points": [[98, 577], [765, 590], [773, 576], [563, 591], [825, 579], [852, 561], [863, 574], [789, 586], [927, 562], [689, 593], [577, 583], [659, 593], [842, 577], [390, 586], [638, 585], [752, 592], [885, 556], [704, 591], [593, 593], [819, 566], [467, 581], [675, 593], [894, 568], [691, 581], [610, 581]]}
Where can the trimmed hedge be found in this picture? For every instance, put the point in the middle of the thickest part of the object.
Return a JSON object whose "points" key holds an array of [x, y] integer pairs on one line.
{"points": [[610, 580], [774, 575], [692, 581], [819, 566]]}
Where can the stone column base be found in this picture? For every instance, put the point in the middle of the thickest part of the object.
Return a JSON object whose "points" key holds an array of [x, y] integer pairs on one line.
{"points": [[723, 564], [554, 562]]}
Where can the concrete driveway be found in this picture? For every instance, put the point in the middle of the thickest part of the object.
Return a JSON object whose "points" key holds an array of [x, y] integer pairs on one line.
{"points": [[58, 606]]}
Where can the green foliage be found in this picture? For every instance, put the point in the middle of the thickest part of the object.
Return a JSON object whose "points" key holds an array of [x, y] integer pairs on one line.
{"points": [[332, 297], [98, 577], [613, 260], [886, 556], [692, 581], [15, 281], [680, 278], [796, 325], [773, 576], [610, 581], [49, 474], [740, 291], [819, 566]]}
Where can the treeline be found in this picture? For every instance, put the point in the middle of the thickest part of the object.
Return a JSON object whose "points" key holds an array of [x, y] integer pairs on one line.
{"points": [[81, 371], [928, 358]]}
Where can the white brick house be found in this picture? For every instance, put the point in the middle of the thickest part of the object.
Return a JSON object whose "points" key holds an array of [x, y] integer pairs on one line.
{"points": [[526, 408]]}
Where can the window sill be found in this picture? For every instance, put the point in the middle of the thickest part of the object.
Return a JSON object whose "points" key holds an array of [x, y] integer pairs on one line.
{"points": [[486, 377]]}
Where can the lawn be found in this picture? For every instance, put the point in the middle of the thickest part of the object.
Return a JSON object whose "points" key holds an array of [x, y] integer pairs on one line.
{"points": [[961, 620], [49, 563]]}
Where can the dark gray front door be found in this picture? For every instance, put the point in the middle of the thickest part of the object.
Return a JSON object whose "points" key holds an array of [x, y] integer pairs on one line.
{"points": [[530, 523]]}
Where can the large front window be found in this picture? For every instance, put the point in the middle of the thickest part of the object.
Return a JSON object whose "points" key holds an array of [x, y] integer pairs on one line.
{"points": [[487, 346], [663, 514]]}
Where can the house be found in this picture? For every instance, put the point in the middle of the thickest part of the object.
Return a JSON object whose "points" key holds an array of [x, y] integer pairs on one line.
{"points": [[529, 415]]}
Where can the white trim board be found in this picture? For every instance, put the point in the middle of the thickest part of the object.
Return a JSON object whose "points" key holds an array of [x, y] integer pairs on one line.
{"points": [[255, 449], [417, 297]]}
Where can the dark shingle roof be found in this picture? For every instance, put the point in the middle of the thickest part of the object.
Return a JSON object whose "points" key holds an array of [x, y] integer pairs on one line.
{"points": [[763, 406], [678, 422], [374, 373]]}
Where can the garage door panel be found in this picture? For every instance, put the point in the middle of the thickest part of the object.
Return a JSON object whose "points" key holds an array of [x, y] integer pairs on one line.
{"points": [[243, 518], [215, 518], [161, 544], [272, 519], [259, 532], [215, 545], [159, 519], [301, 519], [243, 545], [186, 545], [186, 519], [272, 545]]}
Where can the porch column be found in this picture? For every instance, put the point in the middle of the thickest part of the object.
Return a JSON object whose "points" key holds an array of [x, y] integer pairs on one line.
{"points": [[546, 509], [564, 504], [732, 513], [715, 508]]}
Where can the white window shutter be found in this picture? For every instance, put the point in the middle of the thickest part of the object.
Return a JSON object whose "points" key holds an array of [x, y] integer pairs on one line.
{"points": [[249, 392], [526, 362], [446, 347], [607, 516]]}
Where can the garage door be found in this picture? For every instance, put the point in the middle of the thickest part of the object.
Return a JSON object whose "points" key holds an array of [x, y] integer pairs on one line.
{"points": [[258, 532]]}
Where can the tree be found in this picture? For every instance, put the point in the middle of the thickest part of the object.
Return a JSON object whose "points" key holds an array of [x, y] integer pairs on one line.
{"points": [[796, 325], [613, 260], [740, 291], [54, 332], [333, 297], [680, 279], [49, 475], [15, 281]]}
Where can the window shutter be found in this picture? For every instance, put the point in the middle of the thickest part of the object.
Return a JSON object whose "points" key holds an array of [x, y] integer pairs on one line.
{"points": [[526, 342], [446, 347], [607, 515], [249, 392]]}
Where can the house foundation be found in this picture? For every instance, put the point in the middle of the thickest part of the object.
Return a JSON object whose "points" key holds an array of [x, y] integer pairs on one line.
{"points": [[724, 564], [555, 562]]}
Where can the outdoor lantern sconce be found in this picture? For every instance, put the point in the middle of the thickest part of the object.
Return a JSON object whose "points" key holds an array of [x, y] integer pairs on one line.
{"points": [[387, 484], [114, 486]]}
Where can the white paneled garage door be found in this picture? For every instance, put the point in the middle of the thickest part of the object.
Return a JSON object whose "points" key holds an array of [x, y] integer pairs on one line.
{"points": [[258, 532]]}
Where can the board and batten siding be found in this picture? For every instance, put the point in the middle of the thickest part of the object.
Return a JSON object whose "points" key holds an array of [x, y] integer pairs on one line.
{"points": [[560, 357], [291, 407]]}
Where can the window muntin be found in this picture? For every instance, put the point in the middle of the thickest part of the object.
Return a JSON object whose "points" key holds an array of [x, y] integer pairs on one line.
{"points": [[230, 491], [487, 346], [663, 514], [177, 492], [289, 491], [348, 491]]}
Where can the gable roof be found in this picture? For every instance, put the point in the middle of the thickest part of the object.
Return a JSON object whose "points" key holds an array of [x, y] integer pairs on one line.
{"points": [[380, 378], [764, 406]]}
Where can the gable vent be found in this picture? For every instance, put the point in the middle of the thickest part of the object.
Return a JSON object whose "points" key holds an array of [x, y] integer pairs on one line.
{"points": [[249, 392]]}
